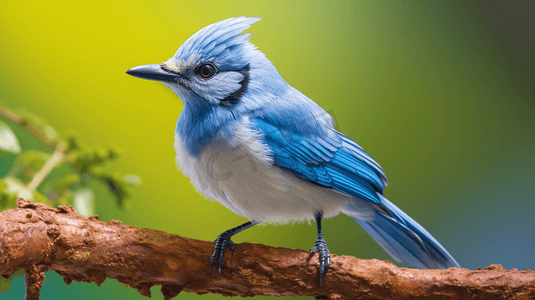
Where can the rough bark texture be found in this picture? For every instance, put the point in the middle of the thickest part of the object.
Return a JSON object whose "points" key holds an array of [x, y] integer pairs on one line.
{"points": [[34, 278], [36, 238]]}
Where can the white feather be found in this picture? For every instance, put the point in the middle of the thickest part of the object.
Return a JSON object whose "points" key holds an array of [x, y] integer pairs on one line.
{"points": [[239, 174]]}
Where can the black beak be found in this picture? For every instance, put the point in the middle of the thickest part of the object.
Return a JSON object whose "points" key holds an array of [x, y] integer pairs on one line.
{"points": [[153, 72]]}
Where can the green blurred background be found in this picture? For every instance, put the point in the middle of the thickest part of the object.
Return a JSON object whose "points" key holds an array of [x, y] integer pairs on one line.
{"points": [[441, 94]]}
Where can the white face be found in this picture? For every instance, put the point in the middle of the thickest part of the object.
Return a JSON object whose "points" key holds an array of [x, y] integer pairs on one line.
{"points": [[204, 78]]}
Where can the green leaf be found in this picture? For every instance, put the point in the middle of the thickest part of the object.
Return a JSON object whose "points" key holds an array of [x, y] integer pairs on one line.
{"points": [[14, 186], [8, 200], [87, 158], [59, 191], [5, 284], [84, 202], [46, 132], [8, 139], [116, 184], [114, 153], [73, 141], [132, 179], [15, 189], [27, 164], [3, 185], [37, 197]]}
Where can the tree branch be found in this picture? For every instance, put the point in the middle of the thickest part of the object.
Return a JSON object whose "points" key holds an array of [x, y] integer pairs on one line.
{"points": [[36, 238], [34, 278]]}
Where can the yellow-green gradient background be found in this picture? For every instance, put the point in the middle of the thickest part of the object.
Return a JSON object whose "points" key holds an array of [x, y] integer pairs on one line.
{"points": [[440, 93]]}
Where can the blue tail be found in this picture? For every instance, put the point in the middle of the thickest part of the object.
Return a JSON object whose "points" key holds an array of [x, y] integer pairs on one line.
{"points": [[406, 240]]}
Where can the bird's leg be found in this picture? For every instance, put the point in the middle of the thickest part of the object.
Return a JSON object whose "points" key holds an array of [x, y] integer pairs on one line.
{"points": [[321, 248], [223, 241]]}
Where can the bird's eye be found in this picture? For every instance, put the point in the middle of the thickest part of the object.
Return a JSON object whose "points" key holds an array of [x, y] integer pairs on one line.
{"points": [[206, 70]]}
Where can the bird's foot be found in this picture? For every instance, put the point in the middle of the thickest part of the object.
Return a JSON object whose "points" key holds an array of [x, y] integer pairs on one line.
{"points": [[221, 243], [324, 256]]}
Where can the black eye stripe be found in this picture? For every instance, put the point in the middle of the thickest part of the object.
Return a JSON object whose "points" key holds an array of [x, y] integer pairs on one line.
{"points": [[235, 97]]}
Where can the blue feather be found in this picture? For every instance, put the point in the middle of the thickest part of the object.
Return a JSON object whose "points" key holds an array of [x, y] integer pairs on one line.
{"points": [[321, 159], [212, 41], [406, 240], [297, 135]]}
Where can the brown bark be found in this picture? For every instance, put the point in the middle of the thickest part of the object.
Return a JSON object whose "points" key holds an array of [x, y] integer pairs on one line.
{"points": [[36, 238], [34, 278]]}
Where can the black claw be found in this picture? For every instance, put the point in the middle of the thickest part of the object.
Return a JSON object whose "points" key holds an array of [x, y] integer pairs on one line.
{"points": [[221, 243], [324, 257], [222, 254]]}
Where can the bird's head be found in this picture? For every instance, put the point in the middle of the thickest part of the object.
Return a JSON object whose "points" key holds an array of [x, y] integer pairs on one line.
{"points": [[216, 66]]}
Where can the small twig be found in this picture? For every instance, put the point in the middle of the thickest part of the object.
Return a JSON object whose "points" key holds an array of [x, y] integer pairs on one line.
{"points": [[86, 249], [13, 117], [57, 157], [52, 162], [39, 133]]}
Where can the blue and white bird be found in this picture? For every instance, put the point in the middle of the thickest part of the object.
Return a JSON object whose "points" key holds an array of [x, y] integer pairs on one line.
{"points": [[265, 151]]}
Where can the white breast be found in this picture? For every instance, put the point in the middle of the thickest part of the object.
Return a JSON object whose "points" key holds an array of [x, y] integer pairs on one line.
{"points": [[239, 174]]}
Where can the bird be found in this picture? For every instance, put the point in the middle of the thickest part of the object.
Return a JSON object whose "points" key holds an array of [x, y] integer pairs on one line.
{"points": [[265, 151]]}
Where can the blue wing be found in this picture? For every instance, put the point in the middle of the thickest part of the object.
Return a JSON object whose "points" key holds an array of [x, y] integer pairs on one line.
{"points": [[327, 158]]}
